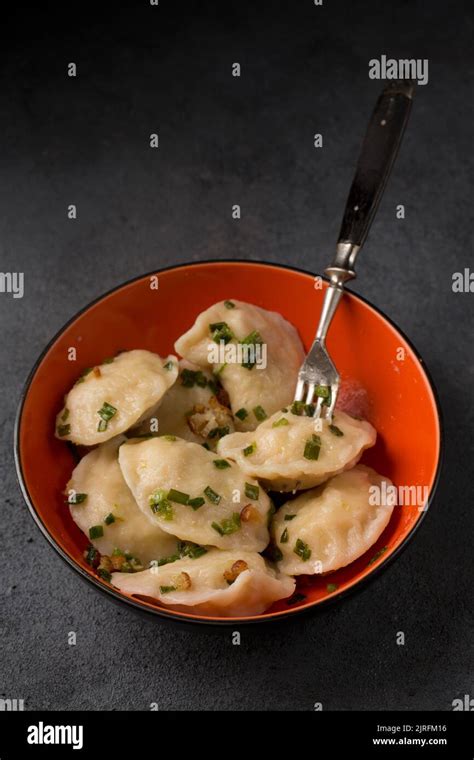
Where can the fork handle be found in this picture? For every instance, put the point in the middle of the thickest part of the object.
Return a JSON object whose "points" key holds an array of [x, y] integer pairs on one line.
{"points": [[378, 153]]}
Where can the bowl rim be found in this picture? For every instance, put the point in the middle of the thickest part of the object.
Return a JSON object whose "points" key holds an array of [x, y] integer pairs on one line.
{"points": [[186, 618]]}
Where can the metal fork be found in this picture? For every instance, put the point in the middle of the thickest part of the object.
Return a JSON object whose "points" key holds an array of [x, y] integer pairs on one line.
{"points": [[318, 378]]}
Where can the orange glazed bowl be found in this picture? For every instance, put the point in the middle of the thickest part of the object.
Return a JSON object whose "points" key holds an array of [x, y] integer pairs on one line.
{"points": [[382, 379]]}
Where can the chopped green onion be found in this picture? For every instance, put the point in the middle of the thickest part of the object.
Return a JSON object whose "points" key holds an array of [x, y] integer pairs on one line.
{"points": [[227, 526], [212, 495], [83, 375], [206, 446], [249, 449], [106, 412], [335, 430], [168, 437], [242, 414], [324, 392], [185, 549], [253, 339], [260, 413], [65, 415], [108, 360], [96, 531], [332, 587], [213, 386], [296, 598], [63, 430], [251, 491], [109, 519], [284, 537], [289, 517], [91, 555], [281, 422], [178, 496], [312, 447], [77, 498], [221, 464], [302, 550], [196, 503], [221, 332], [190, 377], [160, 505], [218, 432], [229, 304], [219, 370], [300, 408], [193, 551], [104, 574], [167, 589], [378, 554], [169, 365]]}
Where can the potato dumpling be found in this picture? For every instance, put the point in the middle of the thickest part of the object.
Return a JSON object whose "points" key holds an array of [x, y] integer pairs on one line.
{"points": [[259, 382], [109, 399], [196, 495], [103, 507], [285, 453], [331, 526]]}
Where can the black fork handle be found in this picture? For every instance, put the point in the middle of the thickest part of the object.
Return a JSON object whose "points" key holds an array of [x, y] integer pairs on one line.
{"points": [[379, 150]]}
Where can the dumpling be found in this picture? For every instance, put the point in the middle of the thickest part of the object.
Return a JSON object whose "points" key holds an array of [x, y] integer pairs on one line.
{"points": [[221, 583], [102, 506], [287, 454], [190, 409], [258, 383], [110, 398], [195, 495], [330, 526]]}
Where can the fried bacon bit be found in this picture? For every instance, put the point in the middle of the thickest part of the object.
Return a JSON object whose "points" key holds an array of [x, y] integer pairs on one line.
{"points": [[97, 372], [233, 573], [249, 514], [105, 563], [204, 418], [183, 582], [223, 397], [117, 561]]}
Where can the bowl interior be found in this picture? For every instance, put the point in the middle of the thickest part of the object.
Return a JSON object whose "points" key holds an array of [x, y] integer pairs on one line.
{"points": [[382, 379]]}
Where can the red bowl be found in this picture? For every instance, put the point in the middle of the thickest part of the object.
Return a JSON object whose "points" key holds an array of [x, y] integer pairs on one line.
{"points": [[382, 374]]}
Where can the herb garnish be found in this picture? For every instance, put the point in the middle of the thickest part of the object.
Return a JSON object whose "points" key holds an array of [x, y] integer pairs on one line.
{"points": [[251, 491], [106, 412], [228, 525], [260, 413], [312, 447], [211, 495], [221, 332], [221, 464], [302, 550], [251, 449]]}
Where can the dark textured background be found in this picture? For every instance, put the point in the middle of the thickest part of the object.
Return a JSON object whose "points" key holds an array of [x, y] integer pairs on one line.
{"points": [[223, 141]]}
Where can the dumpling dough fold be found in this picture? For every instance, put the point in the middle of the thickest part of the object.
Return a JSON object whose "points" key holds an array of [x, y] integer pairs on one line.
{"points": [[205, 586]]}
